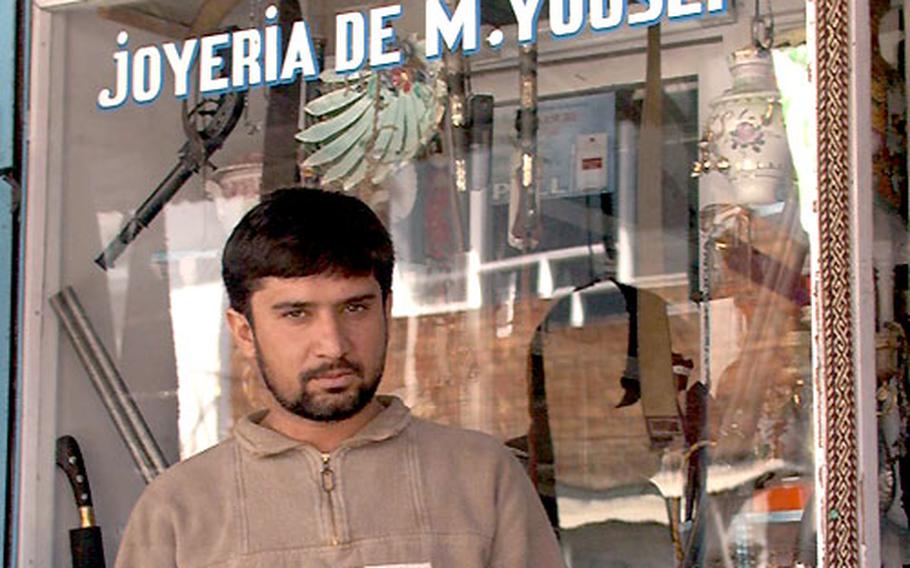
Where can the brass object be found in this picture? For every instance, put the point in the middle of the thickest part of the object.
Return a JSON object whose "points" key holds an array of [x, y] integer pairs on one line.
{"points": [[456, 106], [708, 159], [86, 517]]}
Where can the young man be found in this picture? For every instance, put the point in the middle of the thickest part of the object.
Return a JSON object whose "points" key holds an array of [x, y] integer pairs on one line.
{"points": [[330, 475]]}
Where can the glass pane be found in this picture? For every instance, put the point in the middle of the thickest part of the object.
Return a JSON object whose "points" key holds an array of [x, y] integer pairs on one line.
{"points": [[601, 246], [889, 202]]}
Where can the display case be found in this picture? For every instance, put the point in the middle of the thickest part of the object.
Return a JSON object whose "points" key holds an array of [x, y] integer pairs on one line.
{"points": [[640, 257]]}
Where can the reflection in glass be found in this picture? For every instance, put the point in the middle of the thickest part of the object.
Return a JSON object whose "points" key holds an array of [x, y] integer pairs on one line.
{"points": [[646, 353], [888, 153]]}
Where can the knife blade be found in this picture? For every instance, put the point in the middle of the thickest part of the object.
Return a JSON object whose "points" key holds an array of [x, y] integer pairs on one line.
{"points": [[86, 544]]}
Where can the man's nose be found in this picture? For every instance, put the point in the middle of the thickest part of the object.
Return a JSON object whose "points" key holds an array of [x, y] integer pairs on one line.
{"points": [[331, 337]]}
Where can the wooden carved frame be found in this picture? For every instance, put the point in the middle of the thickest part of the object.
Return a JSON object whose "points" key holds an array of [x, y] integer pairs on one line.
{"points": [[848, 531]]}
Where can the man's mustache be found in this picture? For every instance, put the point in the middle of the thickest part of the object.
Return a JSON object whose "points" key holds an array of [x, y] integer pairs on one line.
{"points": [[342, 364]]}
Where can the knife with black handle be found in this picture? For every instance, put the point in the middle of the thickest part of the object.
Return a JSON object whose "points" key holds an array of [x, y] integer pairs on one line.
{"points": [[85, 542]]}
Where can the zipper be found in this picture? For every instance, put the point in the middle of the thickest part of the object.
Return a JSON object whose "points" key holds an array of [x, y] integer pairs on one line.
{"points": [[328, 485]]}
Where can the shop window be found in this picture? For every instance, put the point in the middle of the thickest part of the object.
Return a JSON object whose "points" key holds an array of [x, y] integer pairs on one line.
{"points": [[602, 262]]}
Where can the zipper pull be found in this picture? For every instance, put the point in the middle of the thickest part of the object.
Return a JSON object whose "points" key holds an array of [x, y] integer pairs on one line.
{"points": [[328, 476], [328, 484]]}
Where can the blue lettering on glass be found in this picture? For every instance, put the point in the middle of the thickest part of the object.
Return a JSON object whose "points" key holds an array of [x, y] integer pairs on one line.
{"points": [[683, 9], [648, 16], [272, 54], [567, 18], [350, 42], [717, 6], [382, 36], [148, 74], [526, 13], [300, 55], [181, 62], [257, 57], [607, 14], [110, 99], [461, 28], [210, 63], [246, 59]]}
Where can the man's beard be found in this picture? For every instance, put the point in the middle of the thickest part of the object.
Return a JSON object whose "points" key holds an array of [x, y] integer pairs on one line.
{"points": [[336, 406]]}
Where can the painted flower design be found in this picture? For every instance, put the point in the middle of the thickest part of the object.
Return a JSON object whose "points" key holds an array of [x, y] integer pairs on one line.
{"points": [[401, 80], [747, 135]]}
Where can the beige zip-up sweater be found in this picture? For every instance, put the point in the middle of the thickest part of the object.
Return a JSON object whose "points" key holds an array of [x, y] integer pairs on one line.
{"points": [[403, 492]]}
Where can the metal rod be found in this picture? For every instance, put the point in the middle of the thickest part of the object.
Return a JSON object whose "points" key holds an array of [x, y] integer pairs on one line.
{"points": [[124, 428], [121, 391], [110, 385]]}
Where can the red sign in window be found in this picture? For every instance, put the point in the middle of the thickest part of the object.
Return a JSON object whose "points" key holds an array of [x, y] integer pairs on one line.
{"points": [[592, 163]]}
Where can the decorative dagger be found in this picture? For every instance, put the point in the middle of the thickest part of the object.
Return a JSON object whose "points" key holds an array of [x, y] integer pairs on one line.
{"points": [[85, 542]]}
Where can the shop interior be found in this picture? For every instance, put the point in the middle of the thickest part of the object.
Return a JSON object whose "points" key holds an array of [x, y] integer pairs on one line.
{"points": [[603, 255]]}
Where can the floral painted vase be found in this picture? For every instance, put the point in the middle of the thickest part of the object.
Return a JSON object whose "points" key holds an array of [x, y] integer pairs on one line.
{"points": [[744, 137]]}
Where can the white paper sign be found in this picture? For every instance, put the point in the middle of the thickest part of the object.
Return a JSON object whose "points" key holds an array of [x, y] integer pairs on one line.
{"points": [[591, 161]]}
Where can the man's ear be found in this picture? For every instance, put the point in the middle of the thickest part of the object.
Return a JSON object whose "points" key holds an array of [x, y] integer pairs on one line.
{"points": [[387, 306], [242, 331]]}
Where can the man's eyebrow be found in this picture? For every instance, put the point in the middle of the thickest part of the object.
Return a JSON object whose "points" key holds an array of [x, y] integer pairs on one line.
{"points": [[292, 304], [360, 298], [298, 305]]}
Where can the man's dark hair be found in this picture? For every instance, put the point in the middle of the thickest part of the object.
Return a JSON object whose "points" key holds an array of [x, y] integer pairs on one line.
{"points": [[298, 232]]}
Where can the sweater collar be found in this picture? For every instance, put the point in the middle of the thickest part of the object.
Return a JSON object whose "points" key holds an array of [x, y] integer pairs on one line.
{"points": [[262, 441]]}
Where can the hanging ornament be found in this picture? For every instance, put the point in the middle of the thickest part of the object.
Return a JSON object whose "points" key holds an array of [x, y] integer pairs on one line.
{"points": [[373, 122], [744, 137]]}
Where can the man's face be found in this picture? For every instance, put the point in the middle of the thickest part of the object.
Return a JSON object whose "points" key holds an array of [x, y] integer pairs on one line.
{"points": [[320, 342]]}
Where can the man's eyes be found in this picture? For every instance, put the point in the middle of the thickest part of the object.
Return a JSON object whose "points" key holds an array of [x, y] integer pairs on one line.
{"points": [[356, 308], [300, 313], [294, 314]]}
